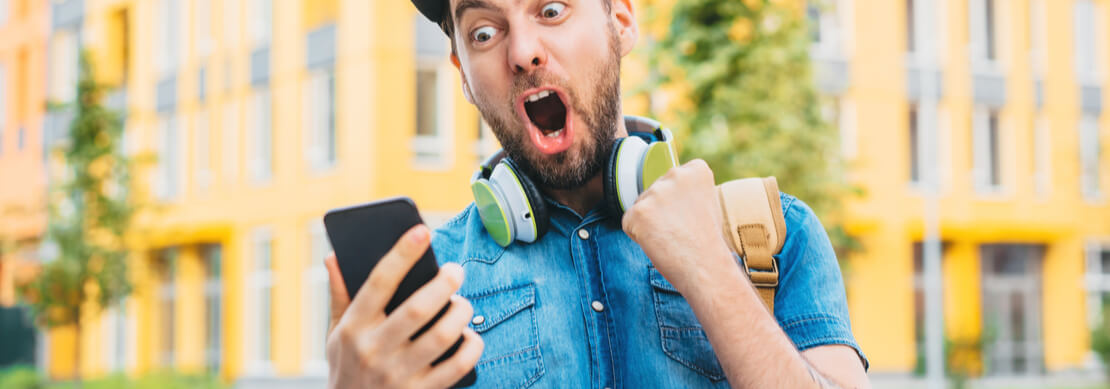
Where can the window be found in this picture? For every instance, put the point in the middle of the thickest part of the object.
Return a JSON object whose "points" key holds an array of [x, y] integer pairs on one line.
{"points": [[1011, 287], [22, 137], [1086, 41], [202, 144], [63, 67], [230, 132], [168, 184], [827, 24], [212, 255], [202, 27], [434, 105], [166, 268], [1089, 156], [983, 18], [114, 326], [319, 119], [911, 27], [4, 12], [915, 145], [486, 144], [1042, 156], [1097, 281], [261, 143], [987, 169], [259, 305], [316, 301], [169, 36], [261, 12]]}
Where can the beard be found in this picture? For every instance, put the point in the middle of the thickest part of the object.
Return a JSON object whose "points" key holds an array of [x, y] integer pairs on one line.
{"points": [[573, 167]]}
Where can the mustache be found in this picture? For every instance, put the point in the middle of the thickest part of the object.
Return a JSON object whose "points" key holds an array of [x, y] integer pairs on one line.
{"points": [[525, 81]]}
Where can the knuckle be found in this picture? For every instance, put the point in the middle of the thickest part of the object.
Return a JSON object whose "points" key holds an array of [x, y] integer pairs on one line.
{"points": [[442, 336], [417, 313]]}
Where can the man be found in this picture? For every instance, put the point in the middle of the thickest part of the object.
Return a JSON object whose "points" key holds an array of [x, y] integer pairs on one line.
{"points": [[654, 299]]}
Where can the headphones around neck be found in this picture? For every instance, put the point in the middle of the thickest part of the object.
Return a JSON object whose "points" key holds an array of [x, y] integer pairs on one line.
{"points": [[512, 207]]}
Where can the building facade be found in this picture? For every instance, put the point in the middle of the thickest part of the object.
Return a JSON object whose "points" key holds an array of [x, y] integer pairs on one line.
{"points": [[265, 114]]}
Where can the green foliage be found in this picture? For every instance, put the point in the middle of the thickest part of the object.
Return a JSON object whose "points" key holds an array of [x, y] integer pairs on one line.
{"points": [[1100, 338], [21, 377], [26, 377], [90, 210], [747, 102]]}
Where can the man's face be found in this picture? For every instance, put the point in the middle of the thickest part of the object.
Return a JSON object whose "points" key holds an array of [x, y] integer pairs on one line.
{"points": [[545, 76]]}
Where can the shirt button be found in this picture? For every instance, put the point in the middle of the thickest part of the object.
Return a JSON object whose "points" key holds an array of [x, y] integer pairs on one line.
{"points": [[597, 306], [583, 234], [478, 320]]}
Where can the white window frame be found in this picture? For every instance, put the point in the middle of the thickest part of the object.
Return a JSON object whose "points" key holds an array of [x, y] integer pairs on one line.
{"points": [[316, 302], [1088, 27], [321, 149], [261, 145], [202, 149], [231, 131], [1097, 283], [929, 121], [4, 4], [1090, 158], [259, 281], [167, 291], [435, 152], [64, 66], [835, 29], [928, 27], [202, 27], [169, 182], [261, 22], [977, 31], [113, 326], [1042, 155], [982, 153], [213, 287], [169, 33], [486, 144]]}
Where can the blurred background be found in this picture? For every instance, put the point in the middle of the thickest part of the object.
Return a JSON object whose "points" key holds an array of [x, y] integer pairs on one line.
{"points": [[165, 164]]}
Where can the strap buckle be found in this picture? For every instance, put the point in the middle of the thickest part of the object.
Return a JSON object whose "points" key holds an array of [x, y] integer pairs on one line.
{"points": [[763, 278]]}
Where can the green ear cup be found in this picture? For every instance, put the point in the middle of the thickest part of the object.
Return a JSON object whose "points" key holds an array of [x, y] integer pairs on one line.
{"points": [[493, 217], [657, 161]]}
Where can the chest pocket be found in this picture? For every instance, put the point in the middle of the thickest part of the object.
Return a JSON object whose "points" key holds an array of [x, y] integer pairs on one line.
{"points": [[505, 319], [682, 337]]}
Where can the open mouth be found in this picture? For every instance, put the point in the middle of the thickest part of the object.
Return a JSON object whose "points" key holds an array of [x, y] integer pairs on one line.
{"points": [[547, 112], [548, 119]]}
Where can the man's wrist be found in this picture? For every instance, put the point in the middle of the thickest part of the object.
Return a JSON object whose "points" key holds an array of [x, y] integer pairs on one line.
{"points": [[722, 275]]}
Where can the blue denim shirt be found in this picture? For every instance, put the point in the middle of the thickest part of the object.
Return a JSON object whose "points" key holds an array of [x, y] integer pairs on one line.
{"points": [[588, 310]]}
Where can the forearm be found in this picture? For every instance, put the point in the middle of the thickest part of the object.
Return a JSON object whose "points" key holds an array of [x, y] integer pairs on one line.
{"points": [[752, 348]]}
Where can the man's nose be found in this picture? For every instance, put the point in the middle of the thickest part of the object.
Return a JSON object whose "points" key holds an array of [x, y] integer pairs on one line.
{"points": [[526, 52]]}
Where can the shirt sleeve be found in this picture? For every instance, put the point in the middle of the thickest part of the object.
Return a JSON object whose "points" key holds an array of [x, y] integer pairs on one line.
{"points": [[810, 304]]}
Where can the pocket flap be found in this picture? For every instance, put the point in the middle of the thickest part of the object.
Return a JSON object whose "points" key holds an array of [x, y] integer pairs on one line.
{"points": [[659, 282], [497, 305]]}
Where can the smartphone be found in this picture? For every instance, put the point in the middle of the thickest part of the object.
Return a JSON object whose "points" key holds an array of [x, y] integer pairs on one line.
{"points": [[362, 234]]}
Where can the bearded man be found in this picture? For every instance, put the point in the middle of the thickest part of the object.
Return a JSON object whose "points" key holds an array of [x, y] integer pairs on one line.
{"points": [[648, 297]]}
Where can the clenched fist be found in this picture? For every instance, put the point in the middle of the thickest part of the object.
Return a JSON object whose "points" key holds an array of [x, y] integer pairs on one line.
{"points": [[677, 222]]}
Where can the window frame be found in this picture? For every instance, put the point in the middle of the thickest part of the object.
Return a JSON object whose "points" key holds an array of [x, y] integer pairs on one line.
{"points": [[168, 186], [259, 329], [989, 170], [321, 127], [435, 152], [1090, 157], [260, 157]]}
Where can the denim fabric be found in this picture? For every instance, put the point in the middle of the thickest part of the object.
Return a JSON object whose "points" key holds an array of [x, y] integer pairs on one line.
{"points": [[537, 318]]}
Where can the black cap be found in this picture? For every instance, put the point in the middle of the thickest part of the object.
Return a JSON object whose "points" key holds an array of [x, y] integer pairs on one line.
{"points": [[432, 9]]}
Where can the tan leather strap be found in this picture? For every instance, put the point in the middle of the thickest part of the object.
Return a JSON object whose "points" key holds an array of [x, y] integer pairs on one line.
{"points": [[755, 229]]}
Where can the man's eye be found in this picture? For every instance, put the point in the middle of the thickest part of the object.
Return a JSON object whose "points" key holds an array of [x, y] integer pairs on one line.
{"points": [[483, 34], [553, 10]]}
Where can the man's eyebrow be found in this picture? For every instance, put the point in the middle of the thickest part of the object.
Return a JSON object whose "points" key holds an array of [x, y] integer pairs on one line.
{"points": [[465, 5]]}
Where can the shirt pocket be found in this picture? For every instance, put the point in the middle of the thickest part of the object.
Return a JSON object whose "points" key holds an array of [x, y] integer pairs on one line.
{"points": [[682, 337], [505, 319]]}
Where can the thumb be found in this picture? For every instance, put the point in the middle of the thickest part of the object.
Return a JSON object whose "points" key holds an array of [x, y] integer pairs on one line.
{"points": [[339, 298]]}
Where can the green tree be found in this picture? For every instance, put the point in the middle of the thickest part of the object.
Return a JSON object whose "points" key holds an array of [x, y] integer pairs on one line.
{"points": [[90, 210], [743, 97]]}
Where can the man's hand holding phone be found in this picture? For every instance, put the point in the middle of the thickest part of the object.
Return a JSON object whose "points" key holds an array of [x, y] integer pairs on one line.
{"points": [[367, 348]]}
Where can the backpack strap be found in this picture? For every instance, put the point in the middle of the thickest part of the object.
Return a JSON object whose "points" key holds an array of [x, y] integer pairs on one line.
{"points": [[755, 229]]}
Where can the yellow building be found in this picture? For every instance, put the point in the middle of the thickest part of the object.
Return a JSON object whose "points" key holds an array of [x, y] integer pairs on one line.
{"points": [[260, 130]]}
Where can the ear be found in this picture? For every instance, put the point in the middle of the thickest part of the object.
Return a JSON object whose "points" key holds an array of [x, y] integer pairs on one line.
{"points": [[624, 19], [462, 76]]}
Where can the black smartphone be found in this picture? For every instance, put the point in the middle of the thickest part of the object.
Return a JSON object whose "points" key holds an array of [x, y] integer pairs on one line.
{"points": [[362, 234]]}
